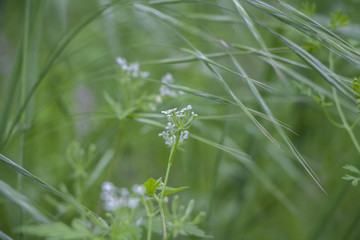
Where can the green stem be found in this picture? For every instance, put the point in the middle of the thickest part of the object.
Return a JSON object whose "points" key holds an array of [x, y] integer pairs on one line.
{"points": [[149, 228], [332, 121], [150, 214], [161, 202], [347, 127]]}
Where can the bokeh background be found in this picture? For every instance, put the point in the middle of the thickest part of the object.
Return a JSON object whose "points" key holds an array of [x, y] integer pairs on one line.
{"points": [[59, 57]]}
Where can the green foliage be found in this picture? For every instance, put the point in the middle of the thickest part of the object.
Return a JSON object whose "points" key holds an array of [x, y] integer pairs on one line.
{"points": [[354, 180], [181, 224], [264, 77], [58, 230], [339, 20], [309, 8], [152, 186]]}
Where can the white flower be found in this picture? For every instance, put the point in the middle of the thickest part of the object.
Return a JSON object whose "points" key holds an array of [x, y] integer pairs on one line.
{"points": [[139, 221], [107, 186], [133, 202], [145, 75], [122, 62], [124, 192], [167, 78], [165, 90], [138, 189], [179, 121], [132, 69]]}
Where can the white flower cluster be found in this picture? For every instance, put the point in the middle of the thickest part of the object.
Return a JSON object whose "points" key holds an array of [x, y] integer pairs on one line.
{"points": [[115, 198], [178, 121], [165, 90], [132, 69]]}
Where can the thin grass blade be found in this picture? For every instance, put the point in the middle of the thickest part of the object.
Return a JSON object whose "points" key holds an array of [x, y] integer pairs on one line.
{"points": [[6, 161], [22, 201]]}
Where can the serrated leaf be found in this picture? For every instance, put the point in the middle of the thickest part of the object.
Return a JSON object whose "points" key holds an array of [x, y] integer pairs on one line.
{"points": [[351, 168], [151, 186], [170, 190]]}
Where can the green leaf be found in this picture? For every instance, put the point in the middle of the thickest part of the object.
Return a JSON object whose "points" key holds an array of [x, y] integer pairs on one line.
{"points": [[348, 177], [99, 169], [59, 230], [151, 186], [171, 190], [194, 230], [355, 181], [351, 168], [339, 20]]}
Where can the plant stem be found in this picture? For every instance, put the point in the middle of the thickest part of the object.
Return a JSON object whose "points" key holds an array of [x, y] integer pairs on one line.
{"points": [[150, 214], [161, 202], [347, 127], [148, 237]]}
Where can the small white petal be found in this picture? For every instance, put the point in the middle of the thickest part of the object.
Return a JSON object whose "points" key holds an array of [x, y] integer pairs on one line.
{"points": [[138, 189]]}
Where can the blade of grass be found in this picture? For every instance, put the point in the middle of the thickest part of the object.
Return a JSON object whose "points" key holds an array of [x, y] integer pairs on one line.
{"points": [[174, 21], [235, 98], [3, 236], [312, 29], [251, 26], [285, 138], [22, 201], [99, 169], [9, 94], [245, 50], [7, 162], [320, 68], [66, 40]]}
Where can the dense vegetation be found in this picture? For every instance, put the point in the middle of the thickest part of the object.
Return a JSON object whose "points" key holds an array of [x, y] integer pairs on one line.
{"points": [[271, 92]]}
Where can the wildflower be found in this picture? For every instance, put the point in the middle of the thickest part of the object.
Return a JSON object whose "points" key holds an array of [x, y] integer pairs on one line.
{"points": [[139, 221], [124, 192], [167, 78], [145, 75], [133, 202], [107, 186], [179, 121], [115, 198], [132, 69], [165, 90], [138, 189], [122, 62]]}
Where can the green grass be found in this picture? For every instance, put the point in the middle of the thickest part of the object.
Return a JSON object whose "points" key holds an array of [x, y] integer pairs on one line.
{"points": [[272, 84]]}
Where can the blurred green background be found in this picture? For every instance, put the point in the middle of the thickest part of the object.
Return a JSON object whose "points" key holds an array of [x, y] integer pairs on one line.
{"points": [[59, 57]]}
